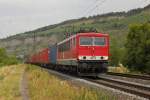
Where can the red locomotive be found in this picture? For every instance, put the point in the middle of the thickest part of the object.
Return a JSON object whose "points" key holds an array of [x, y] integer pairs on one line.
{"points": [[84, 53]]}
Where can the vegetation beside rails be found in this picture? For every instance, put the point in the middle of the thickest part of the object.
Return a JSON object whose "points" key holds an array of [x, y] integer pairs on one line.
{"points": [[124, 69], [10, 82], [118, 69], [43, 86]]}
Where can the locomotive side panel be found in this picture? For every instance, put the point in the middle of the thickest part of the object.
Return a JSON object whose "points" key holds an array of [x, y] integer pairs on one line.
{"points": [[67, 52]]}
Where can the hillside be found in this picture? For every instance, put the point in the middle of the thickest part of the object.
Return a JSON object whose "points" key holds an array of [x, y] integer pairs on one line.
{"points": [[116, 24]]}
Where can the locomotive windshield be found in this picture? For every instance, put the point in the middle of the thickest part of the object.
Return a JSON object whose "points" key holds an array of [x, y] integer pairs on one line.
{"points": [[100, 41], [86, 41], [92, 41]]}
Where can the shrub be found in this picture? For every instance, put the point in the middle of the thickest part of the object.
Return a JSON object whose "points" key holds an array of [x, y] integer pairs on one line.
{"points": [[6, 59], [138, 48]]}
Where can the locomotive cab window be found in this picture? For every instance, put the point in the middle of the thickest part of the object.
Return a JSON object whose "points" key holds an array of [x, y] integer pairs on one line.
{"points": [[92, 41], [99, 41], [86, 41]]}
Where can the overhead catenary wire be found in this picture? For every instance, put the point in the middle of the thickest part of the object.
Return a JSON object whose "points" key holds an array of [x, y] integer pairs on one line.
{"points": [[145, 2], [96, 5], [93, 3]]}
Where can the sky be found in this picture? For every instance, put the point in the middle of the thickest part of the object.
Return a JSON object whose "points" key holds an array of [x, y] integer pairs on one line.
{"points": [[18, 16]]}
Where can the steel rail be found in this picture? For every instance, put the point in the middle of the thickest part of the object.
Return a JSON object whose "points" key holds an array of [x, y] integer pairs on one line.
{"points": [[143, 77], [129, 87]]}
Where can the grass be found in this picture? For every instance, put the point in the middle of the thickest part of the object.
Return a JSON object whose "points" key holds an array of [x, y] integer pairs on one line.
{"points": [[43, 86], [123, 69], [118, 69], [10, 82]]}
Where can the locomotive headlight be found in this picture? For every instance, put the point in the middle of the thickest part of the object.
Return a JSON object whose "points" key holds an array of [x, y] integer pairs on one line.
{"points": [[84, 57], [93, 57], [105, 58]]}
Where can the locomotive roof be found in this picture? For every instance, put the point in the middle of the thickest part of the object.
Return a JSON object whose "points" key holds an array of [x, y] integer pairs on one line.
{"points": [[83, 34], [92, 33]]}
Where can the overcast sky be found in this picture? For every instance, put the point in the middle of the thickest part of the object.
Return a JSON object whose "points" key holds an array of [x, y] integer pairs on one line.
{"points": [[24, 15]]}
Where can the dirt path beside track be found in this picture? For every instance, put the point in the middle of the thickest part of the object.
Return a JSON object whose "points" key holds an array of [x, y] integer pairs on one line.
{"points": [[24, 87]]}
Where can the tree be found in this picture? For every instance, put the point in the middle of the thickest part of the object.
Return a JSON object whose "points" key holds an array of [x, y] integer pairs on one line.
{"points": [[115, 53], [3, 56], [6, 59], [138, 48]]}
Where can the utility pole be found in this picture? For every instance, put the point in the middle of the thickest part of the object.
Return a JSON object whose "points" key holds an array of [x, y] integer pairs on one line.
{"points": [[34, 42], [73, 30]]}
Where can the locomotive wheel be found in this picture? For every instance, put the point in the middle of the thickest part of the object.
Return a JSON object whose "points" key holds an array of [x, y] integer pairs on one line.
{"points": [[78, 71]]}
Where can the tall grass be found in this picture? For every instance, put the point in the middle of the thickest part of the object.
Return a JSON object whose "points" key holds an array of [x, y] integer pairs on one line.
{"points": [[119, 69], [10, 82], [43, 86]]}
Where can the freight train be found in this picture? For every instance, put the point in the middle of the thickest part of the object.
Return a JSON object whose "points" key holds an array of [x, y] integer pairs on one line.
{"points": [[86, 54]]}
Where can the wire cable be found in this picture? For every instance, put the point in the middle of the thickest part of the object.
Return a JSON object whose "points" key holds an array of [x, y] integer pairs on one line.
{"points": [[85, 10], [89, 7], [94, 7]]}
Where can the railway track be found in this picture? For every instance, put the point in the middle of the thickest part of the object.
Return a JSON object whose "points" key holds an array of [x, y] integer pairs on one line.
{"points": [[134, 88], [129, 87], [143, 77]]}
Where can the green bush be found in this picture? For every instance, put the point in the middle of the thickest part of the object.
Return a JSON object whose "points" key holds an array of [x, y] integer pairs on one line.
{"points": [[138, 48], [6, 59]]}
